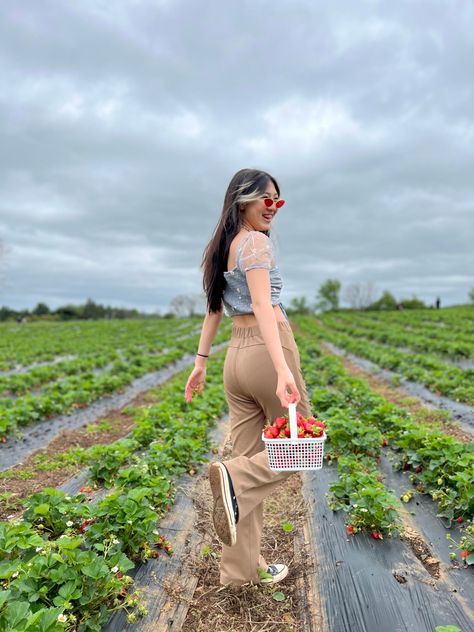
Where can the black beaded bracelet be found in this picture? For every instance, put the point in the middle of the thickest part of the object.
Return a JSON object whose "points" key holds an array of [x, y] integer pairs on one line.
{"points": [[202, 355]]}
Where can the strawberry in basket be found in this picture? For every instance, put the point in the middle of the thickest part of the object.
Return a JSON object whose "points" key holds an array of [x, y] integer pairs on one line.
{"points": [[308, 428]]}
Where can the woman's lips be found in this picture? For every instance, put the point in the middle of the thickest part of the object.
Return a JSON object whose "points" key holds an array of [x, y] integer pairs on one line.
{"points": [[268, 218]]}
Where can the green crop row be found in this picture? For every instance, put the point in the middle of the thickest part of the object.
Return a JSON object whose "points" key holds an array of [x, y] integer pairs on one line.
{"points": [[79, 391], [439, 465], [25, 344], [439, 377], [354, 446], [398, 336], [87, 361], [63, 564], [446, 324]]}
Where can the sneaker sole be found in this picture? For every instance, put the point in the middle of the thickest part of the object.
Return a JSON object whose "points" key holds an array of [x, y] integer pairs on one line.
{"points": [[281, 575], [224, 521]]}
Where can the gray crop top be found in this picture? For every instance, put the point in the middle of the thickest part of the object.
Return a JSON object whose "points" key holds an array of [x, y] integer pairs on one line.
{"points": [[254, 251]]}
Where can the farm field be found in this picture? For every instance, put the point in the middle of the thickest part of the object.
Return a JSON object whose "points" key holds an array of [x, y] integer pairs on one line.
{"points": [[391, 513]]}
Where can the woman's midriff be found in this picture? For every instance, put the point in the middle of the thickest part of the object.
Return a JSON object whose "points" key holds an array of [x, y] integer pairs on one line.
{"points": [[249, 320]]}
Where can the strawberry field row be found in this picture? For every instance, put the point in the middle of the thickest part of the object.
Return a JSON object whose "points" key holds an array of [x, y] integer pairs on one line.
{"points": [[79, 391], [22, 345], [453, 324], [390, 334], [63, 565], [361, 422], [437, 376], [85, 363]]}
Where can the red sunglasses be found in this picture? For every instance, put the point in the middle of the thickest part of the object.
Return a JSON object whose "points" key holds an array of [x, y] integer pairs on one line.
{"points": [[269, 202]]}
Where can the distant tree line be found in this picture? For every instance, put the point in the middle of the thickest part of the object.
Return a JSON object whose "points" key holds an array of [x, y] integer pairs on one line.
{"points": [[88, 311], [359, 296]]}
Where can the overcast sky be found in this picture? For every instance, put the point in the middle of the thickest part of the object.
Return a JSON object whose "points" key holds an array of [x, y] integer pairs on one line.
{"points": [[122, 122]]}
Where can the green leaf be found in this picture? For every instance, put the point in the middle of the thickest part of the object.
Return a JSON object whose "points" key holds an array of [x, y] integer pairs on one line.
{"points": [[279, 596], [16, 613], [96, 569], [287, 527], [4, 595], [264, 575], [470, 559], [42, 509], [447, 628]]}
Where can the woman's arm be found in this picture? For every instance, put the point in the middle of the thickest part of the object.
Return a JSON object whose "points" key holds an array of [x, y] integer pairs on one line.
{"points": [[210, 326], [209, 329], [258, 280]]}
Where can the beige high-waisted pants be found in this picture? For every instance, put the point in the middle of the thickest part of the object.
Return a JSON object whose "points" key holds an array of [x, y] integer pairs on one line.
{"points": [[250, 383]]}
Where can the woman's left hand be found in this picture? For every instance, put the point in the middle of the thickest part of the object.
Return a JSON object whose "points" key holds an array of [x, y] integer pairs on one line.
{"points": [[195, 382]]}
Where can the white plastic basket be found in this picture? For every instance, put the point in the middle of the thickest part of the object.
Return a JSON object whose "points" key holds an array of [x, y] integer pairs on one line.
{"points": [[294, 454]]}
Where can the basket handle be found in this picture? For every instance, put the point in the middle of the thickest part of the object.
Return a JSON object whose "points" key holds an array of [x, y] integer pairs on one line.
{"points": [[293, 425]]}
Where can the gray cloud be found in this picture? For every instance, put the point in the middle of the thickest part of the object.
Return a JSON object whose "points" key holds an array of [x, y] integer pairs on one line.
{"points": [[122, 123]]}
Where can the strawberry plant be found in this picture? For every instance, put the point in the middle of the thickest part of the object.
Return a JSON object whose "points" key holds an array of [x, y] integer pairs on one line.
{"points": [[465, 545], [369, 505], [52, 511]]}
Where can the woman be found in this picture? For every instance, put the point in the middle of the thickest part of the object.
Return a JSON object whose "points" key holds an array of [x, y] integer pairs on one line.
{"points": [[262, 372]]}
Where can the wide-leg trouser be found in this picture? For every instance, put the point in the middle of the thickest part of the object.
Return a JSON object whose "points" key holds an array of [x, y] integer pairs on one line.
{"points": [[250, 382]]}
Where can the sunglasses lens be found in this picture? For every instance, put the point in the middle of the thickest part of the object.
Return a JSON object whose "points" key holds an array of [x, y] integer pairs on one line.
{"points": [[269, 202]]}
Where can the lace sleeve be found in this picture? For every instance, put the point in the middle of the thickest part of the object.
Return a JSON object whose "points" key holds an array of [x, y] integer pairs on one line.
{"points": [[256, 252]]}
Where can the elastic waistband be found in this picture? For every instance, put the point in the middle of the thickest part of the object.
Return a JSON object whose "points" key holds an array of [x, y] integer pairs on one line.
{"points": [[248, 332]]}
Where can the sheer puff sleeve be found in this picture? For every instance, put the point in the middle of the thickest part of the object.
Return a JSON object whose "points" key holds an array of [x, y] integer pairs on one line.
{"points": [[256, 252]]}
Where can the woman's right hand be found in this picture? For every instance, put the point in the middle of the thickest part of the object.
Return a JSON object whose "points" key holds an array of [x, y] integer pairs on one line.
{"points": [[195, 382], [287, 391]]}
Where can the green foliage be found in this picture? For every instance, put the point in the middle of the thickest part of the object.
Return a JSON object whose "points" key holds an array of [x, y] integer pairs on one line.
{"points": [[412, 303], [299, 305], [386, 302], [278, 596], [328, 295]]}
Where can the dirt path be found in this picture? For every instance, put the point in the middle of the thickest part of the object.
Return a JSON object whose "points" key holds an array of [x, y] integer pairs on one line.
{"points": [[183, 592]]}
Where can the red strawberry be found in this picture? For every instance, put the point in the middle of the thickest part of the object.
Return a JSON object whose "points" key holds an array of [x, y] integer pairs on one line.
{"points": [[268, 433], [376, 535], [350, 529], [287, 432], [419, 469], [459, 520], [464, 554], [308, 427], [406, 466], [83, 526], [280, 422], [385, 442], [317, 430]]}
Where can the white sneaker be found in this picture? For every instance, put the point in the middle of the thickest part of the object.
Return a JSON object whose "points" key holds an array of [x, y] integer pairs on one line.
{"points": [[277, 571]]}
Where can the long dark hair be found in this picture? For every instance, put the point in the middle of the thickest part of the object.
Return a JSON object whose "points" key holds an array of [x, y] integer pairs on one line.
{"points": [[246, 186]]}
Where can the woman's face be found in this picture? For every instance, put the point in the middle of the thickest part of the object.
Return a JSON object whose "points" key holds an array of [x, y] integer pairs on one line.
{"points": [[256, 214]]}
